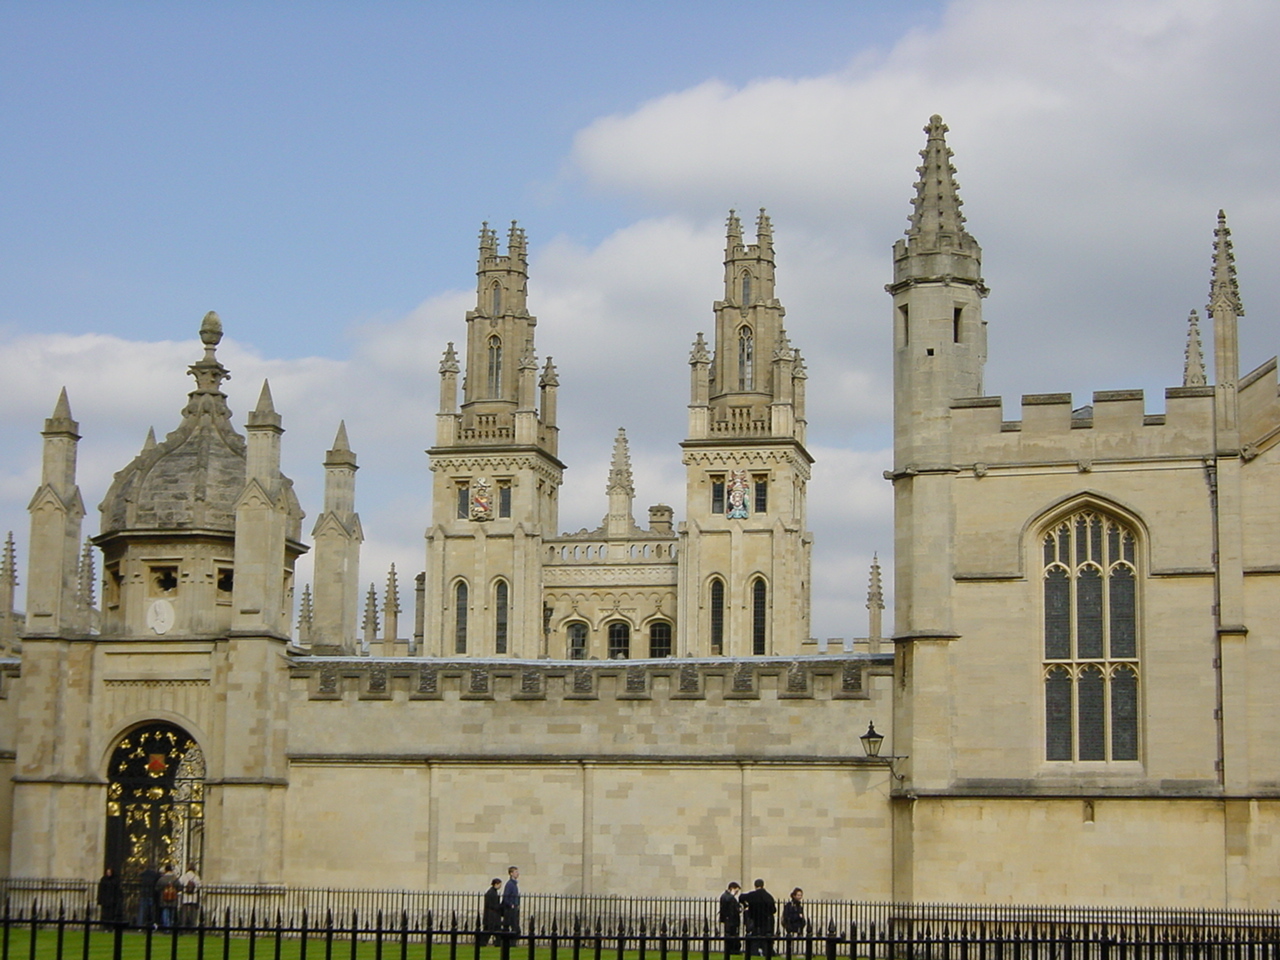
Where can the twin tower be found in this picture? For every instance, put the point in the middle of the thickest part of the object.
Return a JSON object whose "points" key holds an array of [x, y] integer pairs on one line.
{"points": [[733, 579]]}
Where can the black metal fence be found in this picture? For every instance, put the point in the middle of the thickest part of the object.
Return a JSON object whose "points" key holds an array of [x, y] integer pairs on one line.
{"points": [[34, 935], [566, 911], [57, 920]]}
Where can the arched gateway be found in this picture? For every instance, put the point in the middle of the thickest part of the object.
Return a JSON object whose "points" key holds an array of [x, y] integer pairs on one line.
{"points": [[155, 801]]}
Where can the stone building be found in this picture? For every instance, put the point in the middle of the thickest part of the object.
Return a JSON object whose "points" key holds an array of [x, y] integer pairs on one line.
{"points": [[1086, 610]]}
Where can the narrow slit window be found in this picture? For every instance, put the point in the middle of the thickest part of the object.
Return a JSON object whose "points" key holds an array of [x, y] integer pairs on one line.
{"points": [[759, 617], [746, 358], [717, 616], [500, 615], [460, 617], [495, 367]]}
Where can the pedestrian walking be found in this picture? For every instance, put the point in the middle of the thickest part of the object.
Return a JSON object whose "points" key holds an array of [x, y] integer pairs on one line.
{"points": [[491, 918], [731, 918], [760, 908], [511, 904]]}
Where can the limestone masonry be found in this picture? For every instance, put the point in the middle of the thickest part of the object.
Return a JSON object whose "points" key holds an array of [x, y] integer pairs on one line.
{"points": [[1076, 702]]}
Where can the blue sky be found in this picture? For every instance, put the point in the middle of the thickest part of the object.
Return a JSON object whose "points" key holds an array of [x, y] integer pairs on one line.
{"points": [[317, 173]]}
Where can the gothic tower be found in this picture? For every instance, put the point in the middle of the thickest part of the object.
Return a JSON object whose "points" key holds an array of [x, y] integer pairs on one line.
{"points": [[496, 476], [744, 554], [939, 350]]}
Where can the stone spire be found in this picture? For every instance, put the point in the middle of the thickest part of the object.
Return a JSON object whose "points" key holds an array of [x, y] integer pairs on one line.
{"points": [[53, 573], [620, 521], [337, 535], [1193, 374], [370, 620], [8, 586], [875, 607], [391, 614], [85, 591], [1224, 305], [936, 207], [764, 232], [733, 235], [305, 617]]}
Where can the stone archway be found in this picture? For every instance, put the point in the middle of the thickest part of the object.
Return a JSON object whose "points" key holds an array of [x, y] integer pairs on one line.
{"points": [[155, 801]]}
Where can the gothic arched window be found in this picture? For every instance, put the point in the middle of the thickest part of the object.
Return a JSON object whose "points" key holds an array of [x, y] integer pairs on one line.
{"points": [[717, 616], [619, 640], [1090, 639], [460, 617], [495, 366], [746, 358], [660, 639], [500, 613], [746, 288], [759, 616], [495, 301], [577, 641]]}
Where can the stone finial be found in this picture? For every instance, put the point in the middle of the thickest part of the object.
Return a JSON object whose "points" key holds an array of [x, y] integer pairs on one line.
{"points": [[800, 371], [8, 587], [875, 589], [370, 618], [517, 245], [488, 242], [340, 442], [86, 583], [209, 373], [764, 231], [1193, 372], [733, 234], [549, 377], [1224, 292], [936, 207], [62, 421], [449, 363], [528, 359], [150, 442], [306, 615], [700, 353], [620, 478], [264, 414], [782, 349]]}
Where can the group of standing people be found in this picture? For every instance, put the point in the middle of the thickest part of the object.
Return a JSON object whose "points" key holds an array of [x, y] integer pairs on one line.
{"points": [[758, 908], [165, 899], [501, 908]]}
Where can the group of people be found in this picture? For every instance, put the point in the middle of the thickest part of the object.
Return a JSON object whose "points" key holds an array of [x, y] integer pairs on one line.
{"points": [[165, 899], [758, 908], [501, 908]]}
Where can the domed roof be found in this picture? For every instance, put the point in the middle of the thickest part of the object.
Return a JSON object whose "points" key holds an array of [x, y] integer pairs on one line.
{"points": [[191, 480]]}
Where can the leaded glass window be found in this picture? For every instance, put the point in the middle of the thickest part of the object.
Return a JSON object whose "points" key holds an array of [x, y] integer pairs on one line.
{"points": [[759, 613], [1091, 626], [577, 641], [746, 359], [717, 616], [495, 366], [659, 639], [619, 640], [460, 617], [500, 611]]}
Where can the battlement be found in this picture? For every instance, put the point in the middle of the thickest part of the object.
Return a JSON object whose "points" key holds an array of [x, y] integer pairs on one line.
{"points": [[593, 549], [827, 677]]}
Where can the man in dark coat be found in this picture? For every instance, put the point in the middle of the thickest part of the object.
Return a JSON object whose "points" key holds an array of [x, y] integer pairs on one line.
{"points": [[761, 908], [491, 921], [147, 912], [110, 897], [511, 903], [731, 918]]}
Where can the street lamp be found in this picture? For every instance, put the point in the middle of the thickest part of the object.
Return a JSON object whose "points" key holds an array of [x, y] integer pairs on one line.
{"points": [[872, 740]]}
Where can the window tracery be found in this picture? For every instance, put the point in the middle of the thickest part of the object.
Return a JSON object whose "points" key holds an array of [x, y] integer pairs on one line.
{"points": [[1090, 639]]}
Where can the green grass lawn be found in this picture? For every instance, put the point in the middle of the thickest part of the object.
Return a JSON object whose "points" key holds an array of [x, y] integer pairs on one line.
{"points": [[188, 946]]}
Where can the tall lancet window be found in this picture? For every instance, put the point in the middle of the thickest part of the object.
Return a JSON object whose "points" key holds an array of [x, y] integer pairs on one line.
{"points": [[460, 617], [746, 289], [759, 617], [495, 367], [1090, 639], [746, 359], [495, 299], [500, 616]]}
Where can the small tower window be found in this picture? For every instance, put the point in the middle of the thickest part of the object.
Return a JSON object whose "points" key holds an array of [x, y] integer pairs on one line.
{"points": [[717, 493], [746, 359], [746, 289], [495, 299], [495, 367], [904, 310], [460, 617], [504, 499], [577, 641], [955, 324], [759, 609], [659, 639], [717, 616], [760, 483], [464, 500], [500, 616], [164, 581], [619, 640]]}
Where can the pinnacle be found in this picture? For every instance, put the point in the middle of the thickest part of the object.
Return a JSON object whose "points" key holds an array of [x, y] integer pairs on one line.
{"points": [[620, 477], [265, 404], [150, 442], [340, 442], [937, 202], [62, 409], [1224, 292], [1193, 372]]}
